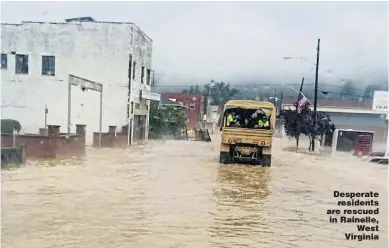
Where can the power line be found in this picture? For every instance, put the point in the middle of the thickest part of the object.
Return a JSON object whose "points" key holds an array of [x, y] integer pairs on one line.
{"points": [[259, 85], [233, 86]]}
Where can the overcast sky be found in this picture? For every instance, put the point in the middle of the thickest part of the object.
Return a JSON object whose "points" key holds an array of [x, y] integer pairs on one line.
{"points": [[194, 42]]}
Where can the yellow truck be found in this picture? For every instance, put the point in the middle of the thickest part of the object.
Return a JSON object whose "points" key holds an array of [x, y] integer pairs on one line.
{"points": [[244, 137]]}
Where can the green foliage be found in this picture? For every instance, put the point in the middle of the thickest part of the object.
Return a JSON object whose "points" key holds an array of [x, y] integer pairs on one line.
{"points": [[219, 92], [8, 126], [302, 123], [194, 89], [369, 91], [165, 121], [348, 90]]}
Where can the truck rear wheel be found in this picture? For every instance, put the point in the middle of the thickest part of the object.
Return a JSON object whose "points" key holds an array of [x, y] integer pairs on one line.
{"points": [[225, 158], [266, 160]]}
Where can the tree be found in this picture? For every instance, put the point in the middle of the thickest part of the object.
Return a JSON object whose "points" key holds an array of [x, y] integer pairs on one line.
{"points": [[220, 92], [296, 124], [348, 90], [8, 126], [302, 123], [156, 123], [194, 89], [369, 90], [323, 127], [165, 121]]}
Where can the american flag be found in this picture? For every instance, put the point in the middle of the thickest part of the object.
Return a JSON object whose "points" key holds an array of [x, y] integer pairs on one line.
{"points": [[302, 102]]}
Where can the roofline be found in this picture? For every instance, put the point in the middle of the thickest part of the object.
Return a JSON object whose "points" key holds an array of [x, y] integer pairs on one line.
{"points": [[333, 107], [338, 110], [78, 23]]}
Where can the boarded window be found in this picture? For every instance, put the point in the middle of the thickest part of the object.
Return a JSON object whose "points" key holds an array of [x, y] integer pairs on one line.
{"points": [[4, 61], [148, 76], [21, 64], [142, 75], [48, 65]]}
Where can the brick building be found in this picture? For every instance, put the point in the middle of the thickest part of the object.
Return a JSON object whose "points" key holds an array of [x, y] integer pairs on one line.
{"points": [[194, 106]]}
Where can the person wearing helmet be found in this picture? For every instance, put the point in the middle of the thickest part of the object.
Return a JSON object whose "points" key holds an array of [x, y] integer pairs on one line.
{"points": [[230, 118], [237, 120], [263, 122]]}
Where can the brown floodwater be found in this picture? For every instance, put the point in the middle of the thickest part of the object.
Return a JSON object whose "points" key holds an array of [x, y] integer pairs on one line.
{"points": [[175, 194]]}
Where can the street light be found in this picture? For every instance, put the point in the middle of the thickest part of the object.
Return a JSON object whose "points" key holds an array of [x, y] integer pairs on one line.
{"points": [[278, 85], [301, 58], [316, 87]]}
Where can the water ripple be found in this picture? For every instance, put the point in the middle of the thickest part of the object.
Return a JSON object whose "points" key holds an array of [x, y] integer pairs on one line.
{"points": [[175, 194]]}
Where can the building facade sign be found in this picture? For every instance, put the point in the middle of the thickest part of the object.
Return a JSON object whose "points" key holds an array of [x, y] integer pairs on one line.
{"points": [[380, 101], [150, 96]]}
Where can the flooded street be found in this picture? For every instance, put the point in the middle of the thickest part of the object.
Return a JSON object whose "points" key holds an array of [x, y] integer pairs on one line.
{"points": [[175, 194]]}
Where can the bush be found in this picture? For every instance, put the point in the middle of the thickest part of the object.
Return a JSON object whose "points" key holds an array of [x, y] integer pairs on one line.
{"points": [[302, 123], [167, 121], [8, 126]]}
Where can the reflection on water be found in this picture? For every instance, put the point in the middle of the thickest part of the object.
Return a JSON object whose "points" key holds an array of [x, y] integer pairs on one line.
{"points": [[175, 194], [240, 195]]}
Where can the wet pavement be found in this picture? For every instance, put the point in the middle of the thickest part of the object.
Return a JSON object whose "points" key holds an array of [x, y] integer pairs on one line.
{"points": [[175, 194]]}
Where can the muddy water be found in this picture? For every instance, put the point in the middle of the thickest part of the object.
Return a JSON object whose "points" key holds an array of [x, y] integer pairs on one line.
{"points": [[175, 194]]}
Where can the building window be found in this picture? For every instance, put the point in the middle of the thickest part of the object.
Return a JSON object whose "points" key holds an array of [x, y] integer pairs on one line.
{"points": [[148, 76], [192, 106], [133, 70], [4, 61], [21, 64], [137, 106], [142, 75], [48, 65], [132, 107], [146, 106]]}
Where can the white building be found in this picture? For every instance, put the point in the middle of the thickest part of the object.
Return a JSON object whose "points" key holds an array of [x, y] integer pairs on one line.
{"points": [[211, 119], [37, 58]]}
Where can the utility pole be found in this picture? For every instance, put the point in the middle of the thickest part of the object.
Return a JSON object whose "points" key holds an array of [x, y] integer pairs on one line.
{"points": [[281, 98], [315, 100], [129, 101]]}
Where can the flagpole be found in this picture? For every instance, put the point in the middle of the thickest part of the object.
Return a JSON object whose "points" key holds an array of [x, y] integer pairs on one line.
{"points": [[300, 92]]}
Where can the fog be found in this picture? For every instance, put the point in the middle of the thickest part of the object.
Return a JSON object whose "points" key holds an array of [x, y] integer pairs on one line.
{"points": [[243, 42]]}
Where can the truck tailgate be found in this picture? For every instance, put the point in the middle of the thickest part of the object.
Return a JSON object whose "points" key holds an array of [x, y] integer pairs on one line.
{"points": [[245, 135]]}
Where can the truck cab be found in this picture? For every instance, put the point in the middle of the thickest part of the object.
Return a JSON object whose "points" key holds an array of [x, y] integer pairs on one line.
{"points": [[247, 130]]}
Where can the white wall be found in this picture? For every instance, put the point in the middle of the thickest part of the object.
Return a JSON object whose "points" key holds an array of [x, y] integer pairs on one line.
{"points": [[92, 50], [213, 115]]}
